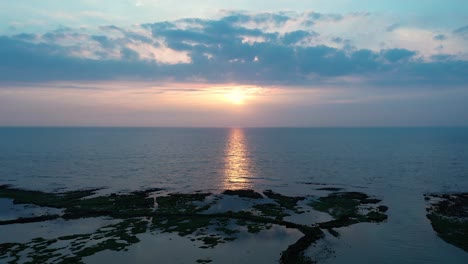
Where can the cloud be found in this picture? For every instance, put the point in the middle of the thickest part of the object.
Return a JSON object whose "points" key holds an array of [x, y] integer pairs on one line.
{"points": [[285, 48], [395, 55], [440, 37], [462, 30], [392, 27], [297, 36]]}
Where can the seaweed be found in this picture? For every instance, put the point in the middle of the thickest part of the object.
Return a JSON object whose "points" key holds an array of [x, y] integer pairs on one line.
{"points": [[347, 209], [118, 206], [202, 261], [271, 210], [25, 220], [55, 200], [342, 204], [114, 237], [448, 214], [287, 202], [181, 203], [331, 189], [294, 254], [382, 208], [77, 206], [244, 193]]}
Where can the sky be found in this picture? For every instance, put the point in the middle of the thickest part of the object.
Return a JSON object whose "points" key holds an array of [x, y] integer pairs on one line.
{"points": [[234, 63]]}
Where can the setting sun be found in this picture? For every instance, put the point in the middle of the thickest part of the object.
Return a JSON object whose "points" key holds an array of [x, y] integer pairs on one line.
{"points": [[236, 97]]}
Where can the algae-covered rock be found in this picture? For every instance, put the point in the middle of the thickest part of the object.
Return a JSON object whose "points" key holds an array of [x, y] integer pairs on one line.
{"points": [[339, 204], [382, 208], [294, 254], [77, 205], [120, 206], [181, 203], [55, 200], [331, 189], [271, 210], [287, 202], [114, 237], [33, 219], [251, 194], [343, 204], [448, 214], [349, 208], [202, 261]]}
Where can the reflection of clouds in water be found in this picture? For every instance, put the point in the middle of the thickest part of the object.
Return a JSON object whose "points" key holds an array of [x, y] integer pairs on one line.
{"points": [[236, 162]]}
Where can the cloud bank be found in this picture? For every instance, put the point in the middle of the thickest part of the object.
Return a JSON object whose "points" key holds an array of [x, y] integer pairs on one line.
{"points": [[283, 48]]}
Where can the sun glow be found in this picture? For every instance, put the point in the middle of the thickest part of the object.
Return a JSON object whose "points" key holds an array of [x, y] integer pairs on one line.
{"points": [[236, 96]]}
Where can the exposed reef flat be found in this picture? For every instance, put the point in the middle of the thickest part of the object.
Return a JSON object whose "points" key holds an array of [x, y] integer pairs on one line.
{"points": [[184, 214], [448, 214], [349, 208]]}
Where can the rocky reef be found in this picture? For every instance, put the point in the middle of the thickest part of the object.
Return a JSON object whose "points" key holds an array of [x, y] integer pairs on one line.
{"points": [[448, 214], [185, 214]]}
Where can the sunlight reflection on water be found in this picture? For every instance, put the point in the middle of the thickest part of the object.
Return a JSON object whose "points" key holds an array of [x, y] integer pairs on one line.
{"points": [[237, 162]]}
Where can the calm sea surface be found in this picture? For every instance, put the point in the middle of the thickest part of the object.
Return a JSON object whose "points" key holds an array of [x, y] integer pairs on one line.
{"points": [[396, 164]]}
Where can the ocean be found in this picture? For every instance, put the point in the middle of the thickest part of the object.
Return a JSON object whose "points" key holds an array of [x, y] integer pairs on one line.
{"points": [[397, 165]]}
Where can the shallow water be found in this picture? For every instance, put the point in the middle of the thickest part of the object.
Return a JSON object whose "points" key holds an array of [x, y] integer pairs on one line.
{"points": [[406, 237], [396, 164], [170, 248], [11, 211], [23, 233]]}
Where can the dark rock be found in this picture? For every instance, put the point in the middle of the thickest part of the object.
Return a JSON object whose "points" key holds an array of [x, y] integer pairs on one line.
{"points": [[244, 193]]}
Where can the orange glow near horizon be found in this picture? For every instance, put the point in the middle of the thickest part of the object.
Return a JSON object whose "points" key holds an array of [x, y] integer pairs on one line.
{"points": [[237, 161], [121, 103], [239, 94], [122, 98]]}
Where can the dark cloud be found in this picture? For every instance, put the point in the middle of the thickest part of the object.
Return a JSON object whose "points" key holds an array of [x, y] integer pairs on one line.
{"points": [[395, 55], [277, 19], [440, 37], [25, 36], [54, 36], [110, 28], [365, 61], [462, 30], [129, 55], [337, 39], [296, 36], [392, 27], [104, 41], [442, 57], [28, 62], [62, 29], [218, 53]]}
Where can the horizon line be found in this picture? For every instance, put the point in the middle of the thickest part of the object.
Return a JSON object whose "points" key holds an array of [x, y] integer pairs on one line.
{"points": [[230, 127]]}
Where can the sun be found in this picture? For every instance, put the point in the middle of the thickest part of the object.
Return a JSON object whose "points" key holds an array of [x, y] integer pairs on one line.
{"points": [[236, 97]]}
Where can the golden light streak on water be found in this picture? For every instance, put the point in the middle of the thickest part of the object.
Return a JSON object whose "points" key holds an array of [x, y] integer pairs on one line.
{"points": [[237, 161]]}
